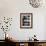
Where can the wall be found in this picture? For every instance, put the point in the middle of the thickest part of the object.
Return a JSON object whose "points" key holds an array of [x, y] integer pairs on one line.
{"points": [[13, 8]]}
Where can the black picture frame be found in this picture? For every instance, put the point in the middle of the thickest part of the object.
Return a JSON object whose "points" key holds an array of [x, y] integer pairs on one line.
{"points": [[28, 18]]}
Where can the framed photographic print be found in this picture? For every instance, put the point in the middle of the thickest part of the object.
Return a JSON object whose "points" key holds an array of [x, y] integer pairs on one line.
{"points": [[26, 20]]}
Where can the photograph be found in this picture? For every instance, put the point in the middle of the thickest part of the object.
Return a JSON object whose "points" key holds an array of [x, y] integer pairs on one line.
{"points": [[26, 20]]}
